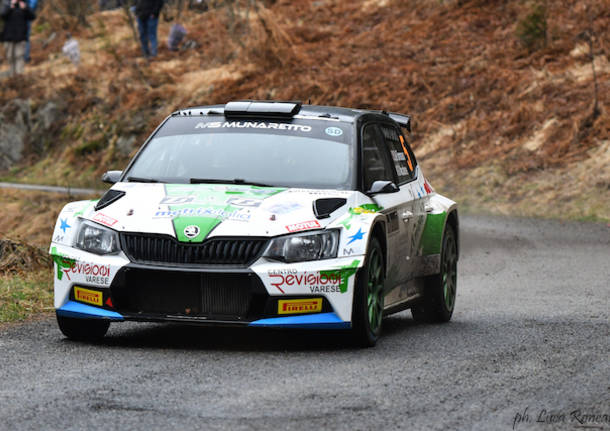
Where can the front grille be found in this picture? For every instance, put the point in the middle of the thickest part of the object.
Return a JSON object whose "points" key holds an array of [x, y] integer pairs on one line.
{"points": [[190, 294], [160, 249]]}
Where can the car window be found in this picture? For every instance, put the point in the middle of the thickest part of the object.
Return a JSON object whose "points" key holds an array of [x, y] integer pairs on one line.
{"points": [[400, 154], [375, 164], [285, 155]]}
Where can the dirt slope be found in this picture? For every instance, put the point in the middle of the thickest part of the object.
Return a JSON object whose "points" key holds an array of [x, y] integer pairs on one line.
{"points": [[497, 126]]}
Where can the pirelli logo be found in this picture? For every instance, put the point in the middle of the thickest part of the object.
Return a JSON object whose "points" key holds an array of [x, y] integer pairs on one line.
{"points": [[88, 296], [296, 306]]}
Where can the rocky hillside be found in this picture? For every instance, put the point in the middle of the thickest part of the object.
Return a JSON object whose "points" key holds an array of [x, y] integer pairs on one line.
{"points": [[509, 98]]}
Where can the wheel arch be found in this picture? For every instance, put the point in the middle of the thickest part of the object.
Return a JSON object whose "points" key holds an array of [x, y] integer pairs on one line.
{"points": [[454, 221], [378, 230]]}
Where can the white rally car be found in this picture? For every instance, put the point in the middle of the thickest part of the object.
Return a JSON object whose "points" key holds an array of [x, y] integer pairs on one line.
{"points": [[262, 214]]}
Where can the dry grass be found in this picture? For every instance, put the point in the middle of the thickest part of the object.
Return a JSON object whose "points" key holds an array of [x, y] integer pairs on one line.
{"points": [[481, 102], [25, 294]]}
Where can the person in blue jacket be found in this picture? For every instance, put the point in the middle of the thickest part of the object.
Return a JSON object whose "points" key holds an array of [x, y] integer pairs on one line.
{"points": [[33, 4]]}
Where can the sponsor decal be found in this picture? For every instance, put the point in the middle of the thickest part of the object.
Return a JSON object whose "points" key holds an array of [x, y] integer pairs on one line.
{"points": [[356, 237], [58, 238], [362, 209], [297, 227], [404, 150], [252, 125], [332, 193], [85, 207], [176, 200], [191, 231], [330, 281], [296, 306], [240, 202], [89, 296], [345, 272], [315, 281], [399, 159], [427, 187], [284, 208], [64, 225], [94, 273], [366, 209], [238, 215], [62, 262], [104, 219], [348, 251], [333, 131]]}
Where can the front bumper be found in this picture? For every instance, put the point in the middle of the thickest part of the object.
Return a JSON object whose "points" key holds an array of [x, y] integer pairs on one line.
{"points": [[308, 321], [209, 296]]}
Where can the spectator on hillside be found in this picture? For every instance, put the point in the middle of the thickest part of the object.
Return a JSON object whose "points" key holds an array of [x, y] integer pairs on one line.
{"points": [[71, 49], [147, 14], [33, 5], [16, 15]]}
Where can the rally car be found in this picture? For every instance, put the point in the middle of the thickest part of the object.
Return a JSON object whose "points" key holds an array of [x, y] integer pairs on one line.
{"points": [[261, 214]]}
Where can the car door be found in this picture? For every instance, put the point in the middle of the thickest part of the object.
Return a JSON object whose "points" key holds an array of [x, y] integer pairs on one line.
{"points": [[421, 198], [377, 165], [410, 214]]}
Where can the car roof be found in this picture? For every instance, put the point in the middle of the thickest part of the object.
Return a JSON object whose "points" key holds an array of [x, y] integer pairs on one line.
{"points": [[349, 115]]}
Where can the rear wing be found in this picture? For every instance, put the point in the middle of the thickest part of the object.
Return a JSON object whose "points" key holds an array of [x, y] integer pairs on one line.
{"points": [[403, 120]]}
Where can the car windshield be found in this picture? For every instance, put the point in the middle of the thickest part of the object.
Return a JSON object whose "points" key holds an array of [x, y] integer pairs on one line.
{"points": [[274, 158]]}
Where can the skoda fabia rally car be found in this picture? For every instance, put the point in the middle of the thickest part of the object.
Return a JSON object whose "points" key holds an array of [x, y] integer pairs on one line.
{"points": [[261, 214]]}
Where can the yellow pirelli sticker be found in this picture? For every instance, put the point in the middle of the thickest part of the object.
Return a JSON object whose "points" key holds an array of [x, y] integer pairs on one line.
{"points": [[88, 296], [295, 306]]}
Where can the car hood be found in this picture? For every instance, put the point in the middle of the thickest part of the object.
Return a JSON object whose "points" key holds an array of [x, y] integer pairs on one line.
{"points": [[195, 212]]}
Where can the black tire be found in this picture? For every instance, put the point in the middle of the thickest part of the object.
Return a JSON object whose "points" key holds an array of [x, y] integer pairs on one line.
{"points": [[367, 311], [440, 290], [83, 329]]}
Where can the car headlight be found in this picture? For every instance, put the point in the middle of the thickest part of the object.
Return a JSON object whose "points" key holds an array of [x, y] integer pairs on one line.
{"points": [[97, 239], [305, 246]]}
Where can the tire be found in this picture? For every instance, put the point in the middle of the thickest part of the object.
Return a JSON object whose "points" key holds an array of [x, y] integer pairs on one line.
{"points": [[440, 290], [83, 329], [367, 311]]}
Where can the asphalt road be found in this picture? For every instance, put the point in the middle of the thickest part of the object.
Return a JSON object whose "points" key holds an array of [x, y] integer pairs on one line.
{"points": [[528, 342]]}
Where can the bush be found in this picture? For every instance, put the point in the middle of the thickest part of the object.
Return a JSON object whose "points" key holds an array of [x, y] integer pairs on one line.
{"points": [[532, 29]]}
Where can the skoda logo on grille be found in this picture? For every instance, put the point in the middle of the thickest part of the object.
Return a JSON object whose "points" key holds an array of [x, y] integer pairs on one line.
{"points": [[191, 231]]}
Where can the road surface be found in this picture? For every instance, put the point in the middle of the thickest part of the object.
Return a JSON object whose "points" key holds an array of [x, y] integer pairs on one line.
{"points": [[527, 349]]}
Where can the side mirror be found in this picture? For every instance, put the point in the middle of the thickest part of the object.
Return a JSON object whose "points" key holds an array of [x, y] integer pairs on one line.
{"points": [[383, 187], [112, 177]]}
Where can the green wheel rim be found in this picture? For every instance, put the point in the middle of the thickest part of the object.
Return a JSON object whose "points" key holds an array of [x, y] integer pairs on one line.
{"points": [[375, 289], [449, 272]]}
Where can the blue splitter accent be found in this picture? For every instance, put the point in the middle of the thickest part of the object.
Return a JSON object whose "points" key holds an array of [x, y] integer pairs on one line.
{"points": [[82, 311], [308, 321]]}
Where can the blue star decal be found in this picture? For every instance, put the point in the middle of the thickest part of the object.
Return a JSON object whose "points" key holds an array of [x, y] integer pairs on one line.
{"points": [[355, 237], [64, 225]]}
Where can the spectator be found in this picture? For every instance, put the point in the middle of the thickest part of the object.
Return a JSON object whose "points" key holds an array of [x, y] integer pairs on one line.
{"points": [[176, 34], [33, 5], [71, 49], [147, 14], [16, 15]]}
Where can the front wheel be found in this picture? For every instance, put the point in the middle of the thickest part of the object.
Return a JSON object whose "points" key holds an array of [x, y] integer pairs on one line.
{"points": [[368, 298], [440, 289], [83, 329]]}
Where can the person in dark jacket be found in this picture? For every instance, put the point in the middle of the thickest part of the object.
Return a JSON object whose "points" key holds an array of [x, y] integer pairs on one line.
{"points": [[16, 15], [147, 14]]}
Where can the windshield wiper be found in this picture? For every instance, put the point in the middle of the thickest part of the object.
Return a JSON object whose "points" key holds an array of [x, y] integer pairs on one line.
{"points": [[142, 180], [233, 181]]}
